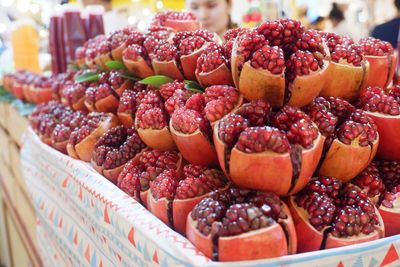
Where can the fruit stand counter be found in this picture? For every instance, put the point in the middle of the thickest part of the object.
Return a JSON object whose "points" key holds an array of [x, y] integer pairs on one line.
{"points": [[85, 220]]}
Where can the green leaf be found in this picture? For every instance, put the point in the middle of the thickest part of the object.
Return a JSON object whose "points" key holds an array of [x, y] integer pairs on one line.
{"points": [[73, 67], [5, 96], [193, 86], [87, 77], [129, 76], [156, 80], [115, 65]]}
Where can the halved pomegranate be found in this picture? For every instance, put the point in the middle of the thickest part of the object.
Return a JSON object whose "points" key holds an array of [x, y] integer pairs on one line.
{"points": [[348, 69], [63, 130], [101, 98], [91, 52], [137, 61], [151, 122], [178, 59], [390, 201], [284, 146], [382, 60], [121, 39], [74, 96], [40, 90], [82, 141], [280, 62], [370, 182], [173, 196], [80, 53], [129, 102], [117, 82], [178, 21], [103, 53], [114, 149], [329, 214], [190, 125], [154, 38], [232, 225], [384, 109], [350, 137], [213, 67], [138, 173]]}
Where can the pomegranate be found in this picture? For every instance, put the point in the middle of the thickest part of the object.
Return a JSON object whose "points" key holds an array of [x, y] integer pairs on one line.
{"points": [[330, 214], [390, 200], [103, 53], [172, 196], [370, 182], [40, 91], [151, 122], [114, 149], [350, 137], [284, 146], [382, 59], [121, 39], [178, 21], [191, 124], [178, 59], [80, 53], [118, 83], [63, 130], [129, 102], [137, 61], [348, 69], [213, 67], [91, 51], [138, 173], [74, 96], [384, 109], [83, 139], [154, 38], [101, 98], [233, 224], [280, 62]]}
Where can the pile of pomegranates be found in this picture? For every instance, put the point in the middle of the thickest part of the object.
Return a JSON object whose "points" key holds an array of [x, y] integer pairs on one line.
{"points": [[283, 141]]}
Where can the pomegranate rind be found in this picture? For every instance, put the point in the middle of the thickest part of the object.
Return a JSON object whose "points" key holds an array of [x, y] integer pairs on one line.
{"points": [[352, 159], [195, 148], [41, 95], [334, 242], [169, 68], [221, 75], [381, 70], [388, 129], [139, 67], [158, 208], [304, 89], [345, 81], [104, 59], [180, 210], [85, 148], [60, 146], [117, 53], [202, 243], [257, 84], [182, 25], [390, 219], [189, 63], [126, 119], [260, 171], [107, 104], [79, 105], [127, 84], [160, 139]]}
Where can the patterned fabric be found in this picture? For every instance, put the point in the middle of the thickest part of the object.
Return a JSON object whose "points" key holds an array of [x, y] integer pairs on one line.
{"points": [[85, 220]]}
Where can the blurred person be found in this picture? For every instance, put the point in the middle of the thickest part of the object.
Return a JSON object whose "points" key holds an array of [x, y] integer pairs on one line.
{"points": [[215, 15], [389, 31], [339, 23]]}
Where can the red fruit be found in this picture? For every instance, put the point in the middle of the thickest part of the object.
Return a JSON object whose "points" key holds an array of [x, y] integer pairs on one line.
{"points": [[63, 130], [101, 98], [168, 89], [129, 102], [213, 67], [331, 215], [74, 96], [83, 139], [280, 63], [350, 137], [370, 182], [137, 61], [384, 109], [177, 100], [114, 149], [293, 144], [178, 21], [382, 61], [151, 122], [172, 197], [138, 173], [232, 225]]}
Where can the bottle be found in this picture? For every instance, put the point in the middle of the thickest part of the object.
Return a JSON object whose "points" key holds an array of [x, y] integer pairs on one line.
{"points": [[74, 31], [94, 20]]}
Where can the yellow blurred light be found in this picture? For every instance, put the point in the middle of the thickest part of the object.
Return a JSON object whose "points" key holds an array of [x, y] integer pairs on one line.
{"points": [[159, 4]]}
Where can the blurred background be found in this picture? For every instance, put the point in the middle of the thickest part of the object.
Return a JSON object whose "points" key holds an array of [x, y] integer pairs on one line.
{"points": [[356, 18]]}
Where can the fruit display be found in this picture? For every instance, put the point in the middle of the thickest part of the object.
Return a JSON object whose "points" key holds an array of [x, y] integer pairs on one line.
{"points": [[278, 140]]}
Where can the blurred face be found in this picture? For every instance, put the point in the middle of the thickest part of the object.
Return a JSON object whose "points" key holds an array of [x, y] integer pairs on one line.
{"points": [[213, 14]]}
